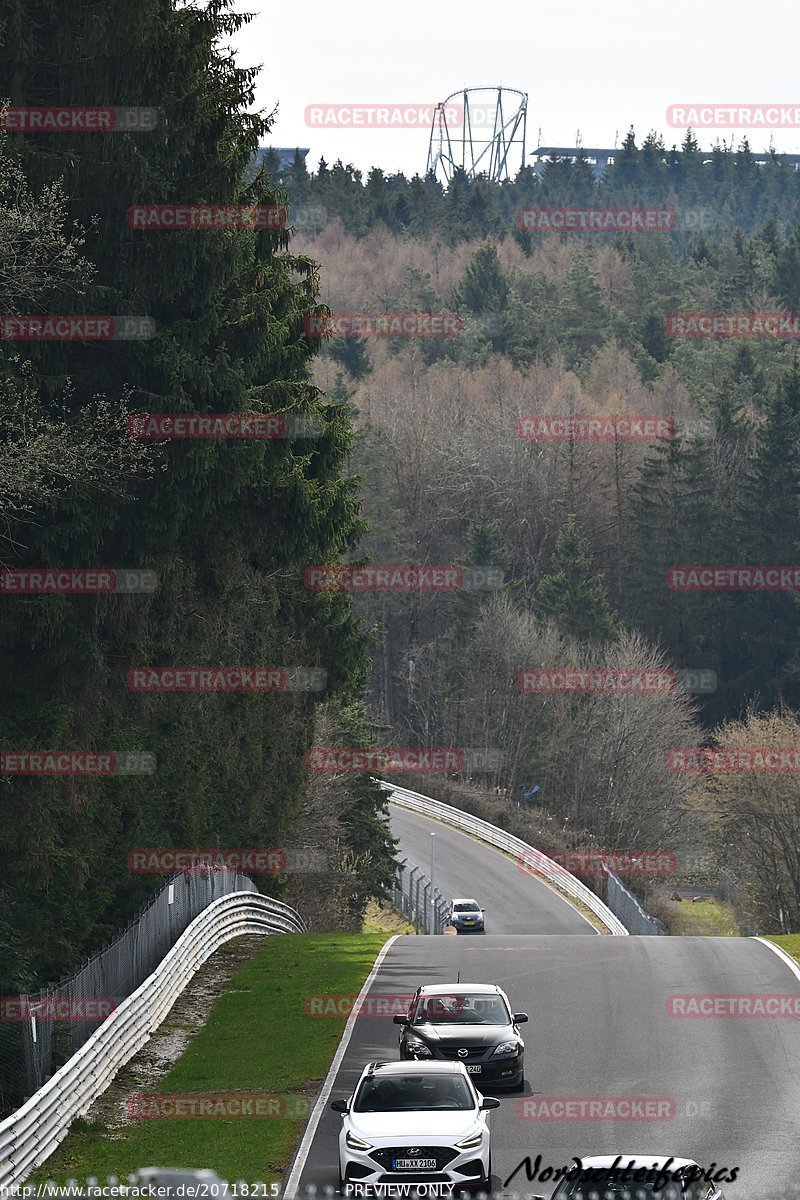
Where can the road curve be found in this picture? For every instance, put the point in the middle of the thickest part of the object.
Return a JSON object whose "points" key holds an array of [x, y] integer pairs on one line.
{"points": [[515, 901]]}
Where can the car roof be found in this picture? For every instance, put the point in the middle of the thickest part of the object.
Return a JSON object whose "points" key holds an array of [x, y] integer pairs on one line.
{"points": [[449, 989], [464, 900], [639, 1159], [415, 1068]]}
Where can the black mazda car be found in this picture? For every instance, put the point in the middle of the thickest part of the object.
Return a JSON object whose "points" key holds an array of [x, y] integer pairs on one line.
{"points": [[471, 1023]]}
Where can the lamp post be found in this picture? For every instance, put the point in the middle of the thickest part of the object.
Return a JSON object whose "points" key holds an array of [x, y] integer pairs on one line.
{"points": [[433, 886]]}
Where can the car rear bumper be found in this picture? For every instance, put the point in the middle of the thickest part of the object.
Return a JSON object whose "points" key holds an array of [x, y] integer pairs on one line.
{"points": [[500, 1075], [508, 1072]]}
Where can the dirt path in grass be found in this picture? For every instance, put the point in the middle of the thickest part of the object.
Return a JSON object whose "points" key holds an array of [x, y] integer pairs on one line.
{"points": [[182, 1023]]}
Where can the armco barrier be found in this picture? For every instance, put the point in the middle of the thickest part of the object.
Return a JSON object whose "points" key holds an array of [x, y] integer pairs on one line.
{"points": [[114, 972], [34, 1131], [537, 862]]}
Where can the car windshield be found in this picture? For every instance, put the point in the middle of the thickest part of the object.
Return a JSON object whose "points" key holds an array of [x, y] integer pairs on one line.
{"points": [[461, 1009], [413, 1093], [594, 1187], [466, 906]]}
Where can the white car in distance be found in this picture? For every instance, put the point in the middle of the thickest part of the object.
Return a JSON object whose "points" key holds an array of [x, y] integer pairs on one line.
{"points": [[465, 913]]}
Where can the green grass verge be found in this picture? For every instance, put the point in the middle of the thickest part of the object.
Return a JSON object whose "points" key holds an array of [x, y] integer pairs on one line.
{"points": [[706, 918], [257, 1039], [790, 942]]}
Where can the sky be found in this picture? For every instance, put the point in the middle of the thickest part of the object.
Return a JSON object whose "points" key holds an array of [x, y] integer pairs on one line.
{"points": [[589, 67]]}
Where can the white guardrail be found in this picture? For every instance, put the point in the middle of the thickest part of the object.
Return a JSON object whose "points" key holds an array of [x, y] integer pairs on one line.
{"points": [[34, 1131], [532, 860]]}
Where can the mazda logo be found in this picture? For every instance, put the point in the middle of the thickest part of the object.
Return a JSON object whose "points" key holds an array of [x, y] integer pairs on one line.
{"points": [[463, 1052], [413, 1150]]}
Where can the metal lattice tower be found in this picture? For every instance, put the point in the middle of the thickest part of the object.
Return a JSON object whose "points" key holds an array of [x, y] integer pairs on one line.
{"points": [[480, 131]]}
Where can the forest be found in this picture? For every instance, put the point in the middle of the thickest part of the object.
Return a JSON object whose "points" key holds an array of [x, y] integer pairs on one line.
{"points": [[575, 327], [417, 461]]}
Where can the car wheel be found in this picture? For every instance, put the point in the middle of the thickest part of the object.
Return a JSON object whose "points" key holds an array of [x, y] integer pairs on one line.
{"points": [[341, 1181], [519, 1087]]}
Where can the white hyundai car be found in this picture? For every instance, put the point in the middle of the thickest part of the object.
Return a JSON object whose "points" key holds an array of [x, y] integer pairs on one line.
{"points": [[415, 1122]]}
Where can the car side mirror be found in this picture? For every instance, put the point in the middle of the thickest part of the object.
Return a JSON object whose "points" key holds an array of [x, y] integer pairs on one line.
{"points": [[520, 1018], [399, 1020], [340, 1106], [489, 1102]]}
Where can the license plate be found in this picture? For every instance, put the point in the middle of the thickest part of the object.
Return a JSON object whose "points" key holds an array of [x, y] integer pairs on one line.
{"points": [[414, 1164], [476, 1070]]}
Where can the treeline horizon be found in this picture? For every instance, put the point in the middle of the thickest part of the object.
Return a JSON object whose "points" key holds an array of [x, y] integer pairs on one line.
{"points": [[714, 191]]}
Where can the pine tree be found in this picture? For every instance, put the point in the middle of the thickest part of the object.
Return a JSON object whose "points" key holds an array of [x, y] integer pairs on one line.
{"points": [[351, 353], [583, 318], [660, 539], [483, 287], [767, 622], [228, 527], [625, 171], [787, 271], [571, 594]]}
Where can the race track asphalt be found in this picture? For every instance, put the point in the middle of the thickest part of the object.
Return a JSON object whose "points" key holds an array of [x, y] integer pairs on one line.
{"points": [[599, 1028]]}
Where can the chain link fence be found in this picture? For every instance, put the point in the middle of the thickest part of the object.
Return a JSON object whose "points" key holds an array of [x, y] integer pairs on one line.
{"points": [[412, 896], [41, 1032], [729, 886], [625, 906], [732, 891]]}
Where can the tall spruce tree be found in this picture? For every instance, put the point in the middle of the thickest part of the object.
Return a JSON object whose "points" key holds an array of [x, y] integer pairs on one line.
{"points": [[228, 527], [770, 518], [571, 594]]}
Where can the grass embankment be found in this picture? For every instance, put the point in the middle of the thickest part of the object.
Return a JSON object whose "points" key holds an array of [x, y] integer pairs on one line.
{"points": [[257, 1039], [705, 918], [382, 918], [790, 942]]}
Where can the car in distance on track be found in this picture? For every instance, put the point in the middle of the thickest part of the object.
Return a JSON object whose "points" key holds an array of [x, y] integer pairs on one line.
{"points": [[470, 1023], [466, 914], [415, 1123], [612, 1175]]}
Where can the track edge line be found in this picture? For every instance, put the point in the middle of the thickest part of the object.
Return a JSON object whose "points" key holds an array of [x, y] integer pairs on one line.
{"points": [[299, 1162], [781, 953]]}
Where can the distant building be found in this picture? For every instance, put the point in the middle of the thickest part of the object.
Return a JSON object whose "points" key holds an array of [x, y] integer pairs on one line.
{"points": [[599, 159]]}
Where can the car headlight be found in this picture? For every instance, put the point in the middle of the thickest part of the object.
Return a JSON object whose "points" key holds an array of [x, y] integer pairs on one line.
{"points": [[471, 1142], [419, 1048], [355, 1143], [507, 1048]]}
